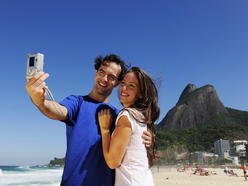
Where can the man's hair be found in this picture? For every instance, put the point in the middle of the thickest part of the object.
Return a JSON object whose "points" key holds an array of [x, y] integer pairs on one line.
{"points": [[114, 59]]}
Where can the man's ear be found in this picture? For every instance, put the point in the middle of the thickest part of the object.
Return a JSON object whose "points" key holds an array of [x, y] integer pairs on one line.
{"points": [[118, 82]]}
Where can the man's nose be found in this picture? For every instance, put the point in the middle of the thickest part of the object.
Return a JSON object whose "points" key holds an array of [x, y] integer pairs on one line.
{"points": [[105, 78]]}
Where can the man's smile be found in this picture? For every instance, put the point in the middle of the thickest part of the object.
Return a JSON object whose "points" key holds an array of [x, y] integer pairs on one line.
{"points": [[102, 84]]}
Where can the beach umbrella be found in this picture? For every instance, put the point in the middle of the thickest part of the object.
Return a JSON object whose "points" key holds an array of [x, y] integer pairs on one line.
{"points": [[187, 167], [242, 168]]}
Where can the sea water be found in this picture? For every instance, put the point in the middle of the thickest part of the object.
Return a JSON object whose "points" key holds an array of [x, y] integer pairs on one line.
{"points": [[30, 176]]}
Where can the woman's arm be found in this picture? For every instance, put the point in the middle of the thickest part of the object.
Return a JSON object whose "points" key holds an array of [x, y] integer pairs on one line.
{"points": [[115, 147]]}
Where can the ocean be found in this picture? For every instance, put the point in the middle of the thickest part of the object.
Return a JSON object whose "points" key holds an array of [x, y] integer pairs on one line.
{"points": [[30, 176]]}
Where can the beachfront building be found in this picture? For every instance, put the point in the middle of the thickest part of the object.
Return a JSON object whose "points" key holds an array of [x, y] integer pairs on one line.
{"points": [[203, 158], [222, 148], [235, 160], [238, 148]]}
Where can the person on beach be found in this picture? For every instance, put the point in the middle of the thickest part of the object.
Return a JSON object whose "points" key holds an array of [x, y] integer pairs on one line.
{"points": [[233, 173], [124, 150], [84, 161], [244, 169], [226, 170]]}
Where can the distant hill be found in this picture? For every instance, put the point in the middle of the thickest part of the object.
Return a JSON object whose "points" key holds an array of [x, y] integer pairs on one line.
{"points": [[194, 107], [197, 121], [57, 162]]}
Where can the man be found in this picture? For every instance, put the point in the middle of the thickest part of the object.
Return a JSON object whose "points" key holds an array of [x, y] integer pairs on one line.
{"points": [[244, 169], [84, 163]]}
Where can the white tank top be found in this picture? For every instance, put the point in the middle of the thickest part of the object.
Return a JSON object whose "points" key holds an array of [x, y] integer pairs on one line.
{"points": [[134, 169]]}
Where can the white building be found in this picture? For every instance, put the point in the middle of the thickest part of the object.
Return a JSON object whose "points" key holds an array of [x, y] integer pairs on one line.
{"points": [[238, 148], [221, 147]]}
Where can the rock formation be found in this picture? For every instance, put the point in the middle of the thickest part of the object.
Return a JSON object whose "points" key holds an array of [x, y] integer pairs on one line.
{"points": [[194, 107]]}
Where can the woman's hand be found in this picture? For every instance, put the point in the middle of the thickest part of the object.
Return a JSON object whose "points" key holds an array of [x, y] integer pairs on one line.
{"points": [[105, 119]]}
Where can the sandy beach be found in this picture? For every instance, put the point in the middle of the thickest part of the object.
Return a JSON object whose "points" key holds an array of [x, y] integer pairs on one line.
{"points": [[170, 176]]}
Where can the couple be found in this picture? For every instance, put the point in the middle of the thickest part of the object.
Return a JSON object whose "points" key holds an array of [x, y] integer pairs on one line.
{"points": [[90, 122]]}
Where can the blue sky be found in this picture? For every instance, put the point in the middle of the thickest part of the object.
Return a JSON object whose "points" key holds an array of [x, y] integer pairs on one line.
{"points": [[183, 41]]}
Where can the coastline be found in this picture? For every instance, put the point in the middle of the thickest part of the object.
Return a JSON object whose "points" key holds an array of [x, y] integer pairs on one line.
{"points": [[50, 165], [27, 175]]}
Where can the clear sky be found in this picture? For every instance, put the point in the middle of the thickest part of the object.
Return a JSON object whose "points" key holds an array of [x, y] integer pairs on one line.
{"points": [[183, 41]]}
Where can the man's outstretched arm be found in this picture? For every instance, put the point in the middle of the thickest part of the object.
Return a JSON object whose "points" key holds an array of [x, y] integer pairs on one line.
{"points": [[36, 90]]}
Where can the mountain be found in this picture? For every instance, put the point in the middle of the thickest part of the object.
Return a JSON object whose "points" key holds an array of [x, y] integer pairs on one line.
{"points": [[196, 122], [194, 107]]}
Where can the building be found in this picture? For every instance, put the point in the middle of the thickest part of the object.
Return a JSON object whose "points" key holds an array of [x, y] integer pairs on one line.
{"points": [[222, 148], [203, 158], [238, 148]]}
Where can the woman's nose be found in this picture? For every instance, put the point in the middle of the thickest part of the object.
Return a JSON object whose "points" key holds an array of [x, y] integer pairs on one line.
{"points": [[124, 87]]}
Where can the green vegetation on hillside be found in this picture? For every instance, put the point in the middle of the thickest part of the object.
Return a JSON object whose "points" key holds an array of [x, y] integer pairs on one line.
{"points": [[202, 138], [57, 161]]}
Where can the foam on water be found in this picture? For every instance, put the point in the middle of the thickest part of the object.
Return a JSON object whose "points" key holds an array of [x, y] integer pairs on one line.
{"points": [[24, 167], [30, 176]]}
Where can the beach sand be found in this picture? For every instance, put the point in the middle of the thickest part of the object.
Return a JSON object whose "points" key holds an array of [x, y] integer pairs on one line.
{"points": [[170, 176]]}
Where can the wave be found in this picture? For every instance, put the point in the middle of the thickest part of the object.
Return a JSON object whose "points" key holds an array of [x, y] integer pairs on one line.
{"points": [[24, 168], [29, 176]]}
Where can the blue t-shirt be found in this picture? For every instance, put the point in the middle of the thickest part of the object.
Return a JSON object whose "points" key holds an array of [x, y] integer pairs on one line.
{"points": [[84, 162]]}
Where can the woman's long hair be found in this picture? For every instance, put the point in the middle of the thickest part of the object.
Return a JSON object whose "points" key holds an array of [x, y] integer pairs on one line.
{"points": [[148, 106]]}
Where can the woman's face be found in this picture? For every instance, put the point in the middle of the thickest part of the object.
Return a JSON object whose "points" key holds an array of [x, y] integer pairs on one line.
{"points": [[129, 90]]}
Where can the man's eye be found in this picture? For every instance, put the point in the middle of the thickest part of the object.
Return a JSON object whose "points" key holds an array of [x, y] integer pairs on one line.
{"points": [[112, 78]]}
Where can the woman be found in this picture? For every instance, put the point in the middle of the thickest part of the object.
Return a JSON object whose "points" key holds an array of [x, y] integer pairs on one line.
{"points": [[125, 150]]}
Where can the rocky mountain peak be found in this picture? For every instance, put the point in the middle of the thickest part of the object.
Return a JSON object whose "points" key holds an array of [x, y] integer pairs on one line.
{"points": [[189, 88], [195, 107]]}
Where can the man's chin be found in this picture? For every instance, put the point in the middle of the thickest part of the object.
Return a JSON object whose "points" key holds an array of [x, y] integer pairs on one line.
{"points": [[104, 93]]}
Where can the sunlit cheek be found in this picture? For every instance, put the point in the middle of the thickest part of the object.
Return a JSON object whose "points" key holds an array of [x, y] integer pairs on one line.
{"points": [[134, 93]]}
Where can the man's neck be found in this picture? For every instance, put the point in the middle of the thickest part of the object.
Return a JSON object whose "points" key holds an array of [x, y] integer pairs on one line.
{"points": [[98, 97]]}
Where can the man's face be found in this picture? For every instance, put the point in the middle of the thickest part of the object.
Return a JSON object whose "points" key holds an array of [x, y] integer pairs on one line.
{"points": [[106, 78]]}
